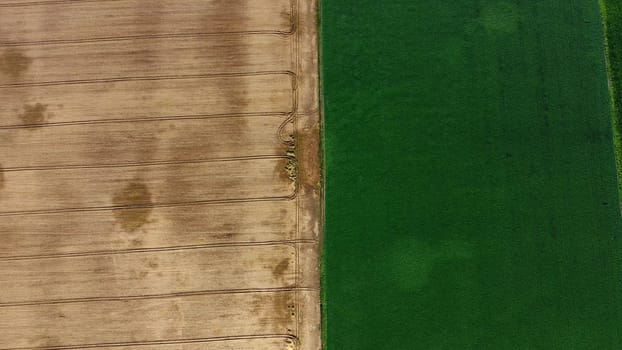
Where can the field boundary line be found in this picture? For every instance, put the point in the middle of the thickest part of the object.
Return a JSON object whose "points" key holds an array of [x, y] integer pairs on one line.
{"points": [[286, 337]]}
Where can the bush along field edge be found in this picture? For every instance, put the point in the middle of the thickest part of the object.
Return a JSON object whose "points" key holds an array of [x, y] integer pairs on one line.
{"points": [[611, 12]]}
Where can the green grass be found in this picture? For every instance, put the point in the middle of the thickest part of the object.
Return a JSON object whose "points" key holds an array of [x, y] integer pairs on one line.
{"points": [[471, 191], [612, 18]]}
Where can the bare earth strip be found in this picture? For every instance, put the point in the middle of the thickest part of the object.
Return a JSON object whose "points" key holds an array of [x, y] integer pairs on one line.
{"points": [[146, 98], [150, 141], [159, 175], [226, 53]]}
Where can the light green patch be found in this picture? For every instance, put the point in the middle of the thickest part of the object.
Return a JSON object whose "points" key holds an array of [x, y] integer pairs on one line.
{"points": [[412, 261], [500, 17]]}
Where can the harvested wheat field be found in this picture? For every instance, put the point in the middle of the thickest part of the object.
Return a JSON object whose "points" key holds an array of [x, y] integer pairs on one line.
{"points": [[159, 183]]}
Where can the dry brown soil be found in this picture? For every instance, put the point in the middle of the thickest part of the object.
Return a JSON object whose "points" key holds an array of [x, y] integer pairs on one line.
{"points": [[159, 175]]}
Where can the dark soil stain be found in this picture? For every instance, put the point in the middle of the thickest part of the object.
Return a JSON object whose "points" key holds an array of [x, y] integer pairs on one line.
{"points": [[224, 236], [14, 63], [280, 269], [281, 309], [134, 194], [34, 114], [153, 264], [1, 178]]}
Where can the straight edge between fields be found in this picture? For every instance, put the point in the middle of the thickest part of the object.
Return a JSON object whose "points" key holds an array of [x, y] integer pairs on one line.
{"points": [[307, 120], [322, 155]]}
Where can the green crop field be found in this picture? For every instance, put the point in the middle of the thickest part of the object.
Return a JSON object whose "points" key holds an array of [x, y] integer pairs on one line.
{"points": [[612, 18], [471, 191]]}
